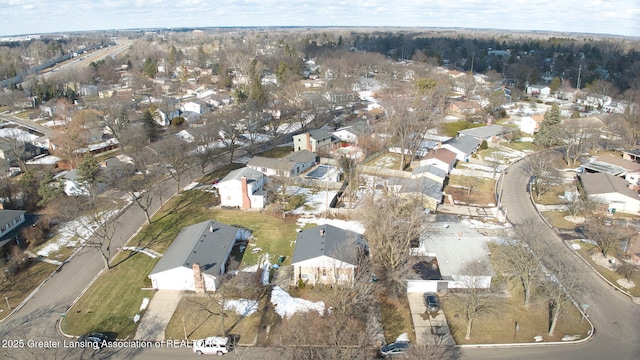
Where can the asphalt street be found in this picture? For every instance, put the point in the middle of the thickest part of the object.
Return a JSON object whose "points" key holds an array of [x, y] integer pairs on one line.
{"points": [[614, 315]]}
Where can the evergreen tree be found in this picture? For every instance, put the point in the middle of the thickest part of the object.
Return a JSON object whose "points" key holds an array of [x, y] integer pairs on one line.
{"points": [[547, 135], [150, 67], [257, 95], [89, 172], [555, 85], [151, 127]]}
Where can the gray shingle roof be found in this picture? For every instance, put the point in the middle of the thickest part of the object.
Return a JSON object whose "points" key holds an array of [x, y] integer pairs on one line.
{"points": [[430, 169], [301, 156], [602, 183], [250, 174], [8, 215], [320, 134], [422, 185], [199, 244], [466, 144], [484, 132], [327, 240]]}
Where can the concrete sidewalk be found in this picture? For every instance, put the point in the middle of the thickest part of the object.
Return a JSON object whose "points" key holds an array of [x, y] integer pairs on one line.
{"points": [[158, 314]]}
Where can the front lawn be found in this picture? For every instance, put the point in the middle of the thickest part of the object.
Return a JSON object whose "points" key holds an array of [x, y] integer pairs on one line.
{"points": [[396, 318], [482, 190], [17, 287], [499, 326], [557, 219], [114, 299]]}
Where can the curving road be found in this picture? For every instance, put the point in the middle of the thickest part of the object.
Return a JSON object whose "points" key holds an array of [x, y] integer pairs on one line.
{"points": [[615, 317]]}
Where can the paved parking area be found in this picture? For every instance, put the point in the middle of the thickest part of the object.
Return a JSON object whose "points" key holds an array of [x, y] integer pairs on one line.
{"points": [[430, 329]]}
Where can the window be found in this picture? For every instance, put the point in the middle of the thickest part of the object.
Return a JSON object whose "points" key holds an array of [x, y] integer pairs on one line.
{"points": [[324, 272]]}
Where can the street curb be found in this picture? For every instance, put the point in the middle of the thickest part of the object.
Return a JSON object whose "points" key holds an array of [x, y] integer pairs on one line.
{"points": [[59, 322]]}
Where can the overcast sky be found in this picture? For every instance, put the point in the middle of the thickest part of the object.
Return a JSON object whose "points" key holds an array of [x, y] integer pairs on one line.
{"points": [[619, 17]]}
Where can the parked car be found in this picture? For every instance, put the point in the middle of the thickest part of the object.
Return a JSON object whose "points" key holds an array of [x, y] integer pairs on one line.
{"points": [[95, 340], [432, 302], [212, 345], [400, 347]]}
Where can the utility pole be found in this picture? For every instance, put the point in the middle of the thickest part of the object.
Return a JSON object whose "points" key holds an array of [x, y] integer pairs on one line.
{"points": [[579, 73]]}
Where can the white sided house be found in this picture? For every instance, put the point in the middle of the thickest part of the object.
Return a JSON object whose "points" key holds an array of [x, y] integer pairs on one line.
{"points": [[455, 246], [243, 188], [196, 257], [293, 164], [327, 255], [614, 191]]}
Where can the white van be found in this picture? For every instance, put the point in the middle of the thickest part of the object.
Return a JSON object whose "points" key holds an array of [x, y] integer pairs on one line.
{"points": [[212, 345]]}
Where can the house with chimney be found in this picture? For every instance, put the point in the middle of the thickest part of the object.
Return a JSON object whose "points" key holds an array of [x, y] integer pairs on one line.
{"points": [[327, 255], [243, 188], [197, 257], [314, 141], [292, 164]]}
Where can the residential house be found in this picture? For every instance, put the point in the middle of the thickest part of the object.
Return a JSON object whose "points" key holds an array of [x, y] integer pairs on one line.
{"points": [[631, 155], [529, 124], [454, 245], [430, 171], [429, 191], [612, 191], [10, 221], [328, 255], [197, 106], [291, 165], [464, 107], [490, 133], [164, 118], [538, 90], [197, 257], [462, 146], [441, 158], [243, 188], [314, 141], [350, 134]]}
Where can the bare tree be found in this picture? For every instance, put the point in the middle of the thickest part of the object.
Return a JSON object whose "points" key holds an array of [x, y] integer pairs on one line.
{"points": [[559, 287], [204, 141], [175, 154], [96, 229], [608, 237], [392, 223], [473, 300], [516, 258], [541, 167], [230, 132]]}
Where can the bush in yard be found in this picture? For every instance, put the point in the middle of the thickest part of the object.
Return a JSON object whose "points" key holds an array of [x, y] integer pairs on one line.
{"points": [[626, 270], [38, 233]]}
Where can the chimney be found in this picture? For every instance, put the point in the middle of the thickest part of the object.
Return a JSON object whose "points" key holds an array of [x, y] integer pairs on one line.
{"points": [[246, 201], [198, 279], [439, 145], [308, 136]]}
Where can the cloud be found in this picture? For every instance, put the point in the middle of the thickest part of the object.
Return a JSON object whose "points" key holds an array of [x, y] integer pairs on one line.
{"points": [[599, 16]]}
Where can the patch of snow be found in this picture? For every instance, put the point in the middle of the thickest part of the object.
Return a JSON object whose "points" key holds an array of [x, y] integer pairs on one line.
{"points": [[242, 307], [253, 268], [286, 305], [627, 284], [576, 246], [354, 226], [315, 203], [145, 303], [190, 186], [136, 318], [476, 224]]}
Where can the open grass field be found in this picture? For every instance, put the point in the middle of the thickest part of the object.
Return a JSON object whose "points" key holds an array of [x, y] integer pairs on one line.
{"points": [[386, 161]]}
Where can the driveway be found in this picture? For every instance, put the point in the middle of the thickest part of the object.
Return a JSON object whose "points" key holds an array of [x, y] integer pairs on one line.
{"points": [[157, 316], [430, 329]]}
